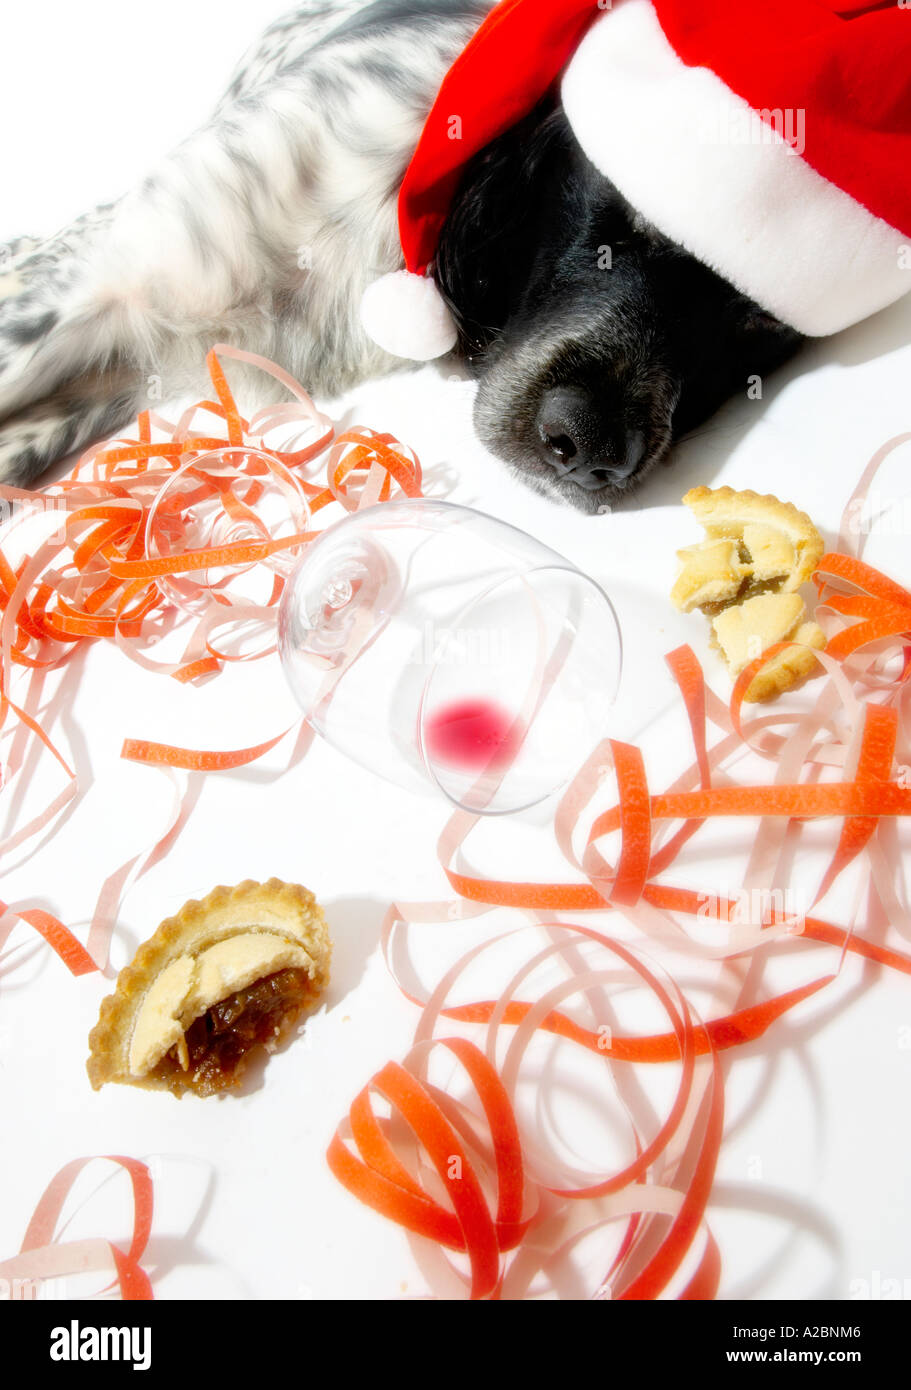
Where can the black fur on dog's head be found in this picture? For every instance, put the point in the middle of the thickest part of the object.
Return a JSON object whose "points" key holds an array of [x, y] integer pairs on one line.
{"points": [[595, 339]]}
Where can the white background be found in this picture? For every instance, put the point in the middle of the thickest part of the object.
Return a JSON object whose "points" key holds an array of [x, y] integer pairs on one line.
{"points": [[812, 1190]]}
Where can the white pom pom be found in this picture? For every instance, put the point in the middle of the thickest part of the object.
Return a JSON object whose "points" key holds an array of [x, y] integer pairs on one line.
{"points": [[406, 315]]}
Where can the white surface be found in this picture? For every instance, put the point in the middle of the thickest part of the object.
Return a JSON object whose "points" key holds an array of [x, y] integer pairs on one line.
{"points": [[812, 1184]]}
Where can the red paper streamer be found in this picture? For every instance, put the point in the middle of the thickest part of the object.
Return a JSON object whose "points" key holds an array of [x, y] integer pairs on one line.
{"points": [[99, 578], [43, 1256], [866, 793]]}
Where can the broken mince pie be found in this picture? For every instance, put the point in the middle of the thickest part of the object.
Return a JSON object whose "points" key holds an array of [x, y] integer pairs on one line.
{"points": [[226, 976], [744, 577]]}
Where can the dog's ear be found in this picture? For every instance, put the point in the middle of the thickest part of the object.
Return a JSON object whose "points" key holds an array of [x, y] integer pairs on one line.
{"points": [[764, 340], [489, 238]]}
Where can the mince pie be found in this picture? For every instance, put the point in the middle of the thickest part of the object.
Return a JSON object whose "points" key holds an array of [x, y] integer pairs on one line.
{"points": [[745, 576], [228, 976]]}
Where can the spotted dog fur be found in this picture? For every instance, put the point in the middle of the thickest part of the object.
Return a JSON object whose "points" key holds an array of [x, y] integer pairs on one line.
{"points": [[262, 229]]}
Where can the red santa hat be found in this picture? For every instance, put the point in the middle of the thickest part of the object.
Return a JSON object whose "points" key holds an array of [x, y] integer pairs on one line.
{"points": [[772, 141]]}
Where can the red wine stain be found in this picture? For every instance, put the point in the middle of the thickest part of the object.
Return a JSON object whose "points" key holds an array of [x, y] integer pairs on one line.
{"points": [[469, 734]]}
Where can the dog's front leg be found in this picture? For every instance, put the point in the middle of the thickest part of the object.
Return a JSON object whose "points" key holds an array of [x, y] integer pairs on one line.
{"points": [[55, 391], [120, 307]]}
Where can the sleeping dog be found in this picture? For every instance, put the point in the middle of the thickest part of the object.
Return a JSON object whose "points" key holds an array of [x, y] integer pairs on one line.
{"points": [[264, 228]]}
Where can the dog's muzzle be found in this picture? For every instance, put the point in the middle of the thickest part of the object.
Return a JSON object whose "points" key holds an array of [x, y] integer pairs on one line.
{"points": [[584, 442]]}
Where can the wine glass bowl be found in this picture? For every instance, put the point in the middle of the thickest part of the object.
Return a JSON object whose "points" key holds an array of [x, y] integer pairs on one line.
{"points": [[440, 647]]}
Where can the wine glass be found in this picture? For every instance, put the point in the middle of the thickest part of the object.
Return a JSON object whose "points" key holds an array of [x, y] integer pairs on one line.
{"points": [[443, 648]]}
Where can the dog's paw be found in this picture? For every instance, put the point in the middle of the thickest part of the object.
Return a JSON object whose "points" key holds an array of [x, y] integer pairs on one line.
{"points": [[29, 445], [35, 439]]}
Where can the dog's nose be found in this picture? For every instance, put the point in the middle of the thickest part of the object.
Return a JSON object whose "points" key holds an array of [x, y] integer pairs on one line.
{"points": [[583, 443]]}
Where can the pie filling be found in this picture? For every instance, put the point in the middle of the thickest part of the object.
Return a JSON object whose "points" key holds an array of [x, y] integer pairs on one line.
{"points": [[216, 1049], [225, 980], [720, 574]]}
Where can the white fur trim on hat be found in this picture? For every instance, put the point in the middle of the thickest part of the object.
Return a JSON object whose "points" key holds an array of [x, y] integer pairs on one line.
{"points": [[406, 315], [696, 161]]}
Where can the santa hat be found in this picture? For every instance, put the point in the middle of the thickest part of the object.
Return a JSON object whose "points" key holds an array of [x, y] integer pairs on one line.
{"points": [[772, 141]]}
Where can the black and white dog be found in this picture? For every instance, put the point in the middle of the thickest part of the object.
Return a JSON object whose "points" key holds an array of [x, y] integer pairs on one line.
{"points": [[264, 228]]}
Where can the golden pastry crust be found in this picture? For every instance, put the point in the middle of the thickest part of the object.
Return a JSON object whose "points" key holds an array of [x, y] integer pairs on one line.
{"points": [[743, 631], [210, 950], [744, 577], [724, 512], [789, 668], [710, 573]]}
